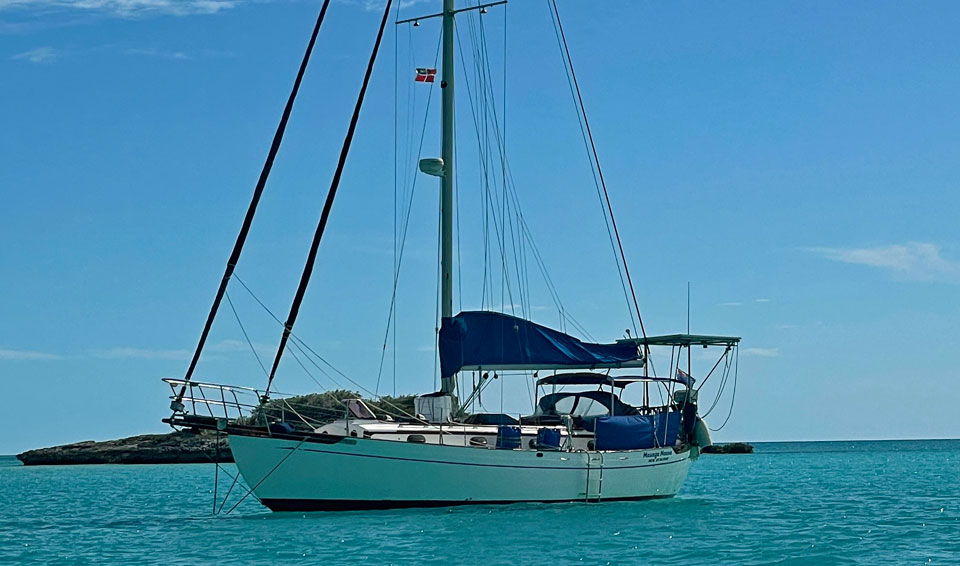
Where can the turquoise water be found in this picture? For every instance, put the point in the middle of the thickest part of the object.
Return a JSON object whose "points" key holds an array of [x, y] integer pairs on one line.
{"points": [[790, 503]]}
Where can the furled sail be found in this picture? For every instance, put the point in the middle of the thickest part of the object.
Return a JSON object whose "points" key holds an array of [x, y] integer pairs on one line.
{"points": [[491, 340]]}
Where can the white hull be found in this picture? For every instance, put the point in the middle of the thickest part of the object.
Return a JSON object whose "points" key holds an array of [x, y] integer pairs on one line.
{"points": [[359, 473]]}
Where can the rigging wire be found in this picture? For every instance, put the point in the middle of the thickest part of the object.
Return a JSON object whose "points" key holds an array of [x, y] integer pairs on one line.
{"points": [[491, 203], [254, 201], [484, 151], [280, 322], [403, 235], [264, 478], [396, 118], [482, 61], [593, 170], [328, 205], [245, 336], [436, 316], [603, 184], [722, 358], [307, 352], [723, 384], [733, 397]]}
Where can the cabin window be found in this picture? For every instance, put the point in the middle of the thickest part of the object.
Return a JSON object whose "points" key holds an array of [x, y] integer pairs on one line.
{"points": [[590, 408], [359, 410], [564, 405]]}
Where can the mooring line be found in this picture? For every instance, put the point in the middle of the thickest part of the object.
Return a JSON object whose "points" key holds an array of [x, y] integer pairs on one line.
{"points": [[282, 460]]}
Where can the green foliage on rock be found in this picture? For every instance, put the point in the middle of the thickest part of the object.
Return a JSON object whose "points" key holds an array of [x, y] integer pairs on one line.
{"points": [[322, 408]]}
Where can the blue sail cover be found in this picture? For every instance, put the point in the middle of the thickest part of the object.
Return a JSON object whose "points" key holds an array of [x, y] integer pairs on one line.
{"points": [[482, 338]]}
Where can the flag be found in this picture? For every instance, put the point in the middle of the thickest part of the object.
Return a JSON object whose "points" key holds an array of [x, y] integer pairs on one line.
{"points": [[685, 378], [426, 75]]}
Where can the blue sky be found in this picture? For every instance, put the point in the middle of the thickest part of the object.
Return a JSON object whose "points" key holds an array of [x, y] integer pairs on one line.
{"points": [[795, 161]]}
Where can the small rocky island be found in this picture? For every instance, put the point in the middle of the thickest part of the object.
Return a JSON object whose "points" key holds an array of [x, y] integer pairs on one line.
{"points": [[731, 448], [196, 447], [182, 447]]}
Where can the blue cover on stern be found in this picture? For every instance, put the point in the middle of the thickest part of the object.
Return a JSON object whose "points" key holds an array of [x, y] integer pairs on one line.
{"points": [[637, 432], [667, 428], [625, 432]]}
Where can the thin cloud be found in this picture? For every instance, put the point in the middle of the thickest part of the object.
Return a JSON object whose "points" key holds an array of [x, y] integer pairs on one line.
{"points": [[180, 354], [37, 55], [154, 52], [26, 355], [120, 8], [144, 354], [731, 304], [761, 352], [761, 300], [920, 261], [232, 346], [49, 54], [375, 5]]}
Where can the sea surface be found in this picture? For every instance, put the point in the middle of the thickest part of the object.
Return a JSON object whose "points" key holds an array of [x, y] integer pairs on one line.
{"points": [[889, 502]]}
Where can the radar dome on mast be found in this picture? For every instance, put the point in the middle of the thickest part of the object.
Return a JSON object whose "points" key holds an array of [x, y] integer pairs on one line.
{"points": [[432, 166]]}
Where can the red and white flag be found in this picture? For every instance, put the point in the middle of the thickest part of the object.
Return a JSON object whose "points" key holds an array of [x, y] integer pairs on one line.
{"points": [[685, 378], [425, 75]]}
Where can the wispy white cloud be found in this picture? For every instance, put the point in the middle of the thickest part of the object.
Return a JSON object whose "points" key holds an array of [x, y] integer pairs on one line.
{"points": [[761, 352], [231, 346], [143, 354], [131, 353], [37, 55], [920, 261], [785, 326], [49, 54], [179, 354], [122, 8], [23, 355], [378, 5], [154, 52], [740, 303]]}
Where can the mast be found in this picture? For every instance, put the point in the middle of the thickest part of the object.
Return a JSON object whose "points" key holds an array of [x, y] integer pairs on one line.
{"points": [[448, 384]]}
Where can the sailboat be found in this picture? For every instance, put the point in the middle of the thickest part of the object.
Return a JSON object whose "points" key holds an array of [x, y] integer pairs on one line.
{"points": [[581, 441]]}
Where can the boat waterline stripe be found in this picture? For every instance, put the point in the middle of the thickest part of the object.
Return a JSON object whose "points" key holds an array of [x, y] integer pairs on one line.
{"points": [[483, 465], [291, 505]]}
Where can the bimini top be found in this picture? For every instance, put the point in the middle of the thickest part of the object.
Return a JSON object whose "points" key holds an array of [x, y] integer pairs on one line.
{"points": [[479, 340], [684, 340], [587, 378]]}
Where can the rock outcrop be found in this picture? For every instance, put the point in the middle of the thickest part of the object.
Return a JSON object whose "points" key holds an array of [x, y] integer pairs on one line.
{"points": [[182, 447], [731, 448]]}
